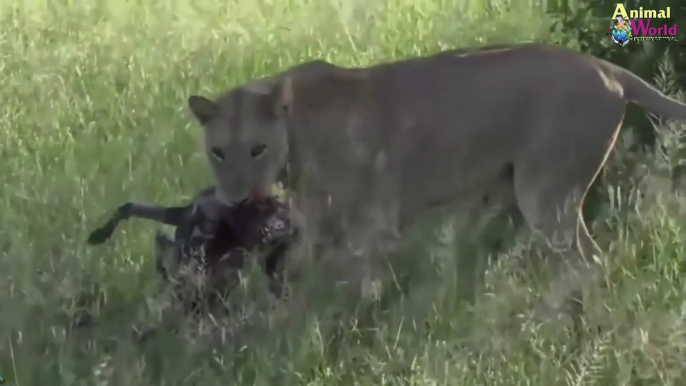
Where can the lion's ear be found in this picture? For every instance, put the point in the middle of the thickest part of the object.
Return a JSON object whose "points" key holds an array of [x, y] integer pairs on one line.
{"points": [[202, 108], [276, 92], [284, 97]]}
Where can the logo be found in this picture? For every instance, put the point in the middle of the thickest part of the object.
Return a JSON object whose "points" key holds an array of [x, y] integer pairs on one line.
{"points": [[621, 31], [641, 25]]}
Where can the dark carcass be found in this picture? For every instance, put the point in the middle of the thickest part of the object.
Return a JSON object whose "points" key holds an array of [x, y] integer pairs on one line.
{"points": [[212, 240]]}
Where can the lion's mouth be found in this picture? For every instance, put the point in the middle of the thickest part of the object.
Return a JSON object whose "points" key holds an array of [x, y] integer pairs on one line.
{"points": [[257, 195]]}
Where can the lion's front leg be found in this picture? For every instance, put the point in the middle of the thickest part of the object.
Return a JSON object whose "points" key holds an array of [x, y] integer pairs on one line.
{"points": [[371, 232]]}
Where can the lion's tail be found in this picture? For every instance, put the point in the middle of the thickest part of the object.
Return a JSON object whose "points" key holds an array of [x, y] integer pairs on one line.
{"points": [[643, 94]]}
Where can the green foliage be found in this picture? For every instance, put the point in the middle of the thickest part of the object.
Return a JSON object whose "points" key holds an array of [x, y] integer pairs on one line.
{"points": [[93, 106]]}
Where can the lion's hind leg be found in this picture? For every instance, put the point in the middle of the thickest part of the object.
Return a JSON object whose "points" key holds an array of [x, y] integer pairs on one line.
{"points": [[551, 182]]}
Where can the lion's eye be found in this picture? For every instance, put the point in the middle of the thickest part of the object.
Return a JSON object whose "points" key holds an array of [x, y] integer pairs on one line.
{"points": [[218, 153], [258, 150]]}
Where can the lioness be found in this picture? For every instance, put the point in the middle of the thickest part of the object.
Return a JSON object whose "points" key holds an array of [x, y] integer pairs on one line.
{"points": [[369, 149]]}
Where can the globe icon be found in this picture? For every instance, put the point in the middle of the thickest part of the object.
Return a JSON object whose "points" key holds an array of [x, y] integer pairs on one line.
{"points": [[620, 36]]}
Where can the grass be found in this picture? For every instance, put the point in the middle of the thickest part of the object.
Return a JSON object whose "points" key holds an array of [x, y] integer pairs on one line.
{"points": [[93, 106]]}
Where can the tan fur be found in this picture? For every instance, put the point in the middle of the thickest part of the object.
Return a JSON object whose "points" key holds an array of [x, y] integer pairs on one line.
{"points": [[447, 125]]}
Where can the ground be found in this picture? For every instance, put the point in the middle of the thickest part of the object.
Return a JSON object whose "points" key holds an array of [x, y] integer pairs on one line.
{"points": [[93, 110]]}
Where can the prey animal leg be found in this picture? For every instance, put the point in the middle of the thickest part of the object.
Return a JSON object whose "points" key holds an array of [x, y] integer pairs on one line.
{"points": [[164, 254], [167, 215]]}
